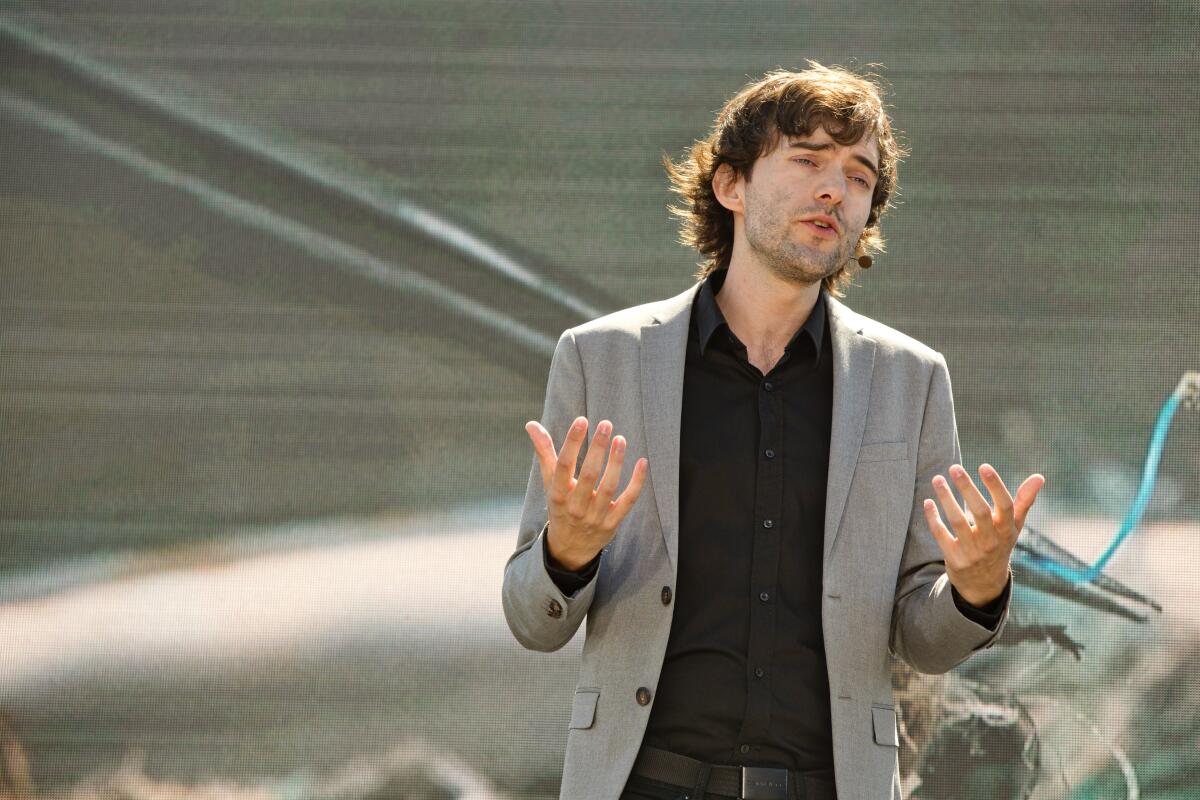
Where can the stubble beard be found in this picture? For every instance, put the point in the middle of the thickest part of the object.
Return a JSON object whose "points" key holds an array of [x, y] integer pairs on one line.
{"points": [[773, 236]]}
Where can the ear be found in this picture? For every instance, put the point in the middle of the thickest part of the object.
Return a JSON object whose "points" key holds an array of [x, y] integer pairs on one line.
{"points": [[728, 187]]}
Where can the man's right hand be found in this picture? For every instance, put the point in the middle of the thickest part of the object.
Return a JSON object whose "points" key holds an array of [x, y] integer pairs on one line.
{"points": [[583, 513]]}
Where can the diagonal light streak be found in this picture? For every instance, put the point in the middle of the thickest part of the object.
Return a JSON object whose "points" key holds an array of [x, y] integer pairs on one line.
{"points": [[410, 215], [253, 215]]}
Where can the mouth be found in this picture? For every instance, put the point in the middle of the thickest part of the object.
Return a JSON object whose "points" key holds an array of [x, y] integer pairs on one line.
{"points": [[824, 232]]}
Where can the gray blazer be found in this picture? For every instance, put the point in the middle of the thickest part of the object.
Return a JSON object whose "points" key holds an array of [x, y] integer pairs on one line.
{"points": [[885, 588]]}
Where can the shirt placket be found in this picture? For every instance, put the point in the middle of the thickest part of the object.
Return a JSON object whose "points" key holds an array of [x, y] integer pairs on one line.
{"points": [[764, 568]]}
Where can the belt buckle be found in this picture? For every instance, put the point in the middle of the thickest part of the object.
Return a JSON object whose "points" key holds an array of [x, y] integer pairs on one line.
{"points": [[764, 783]]}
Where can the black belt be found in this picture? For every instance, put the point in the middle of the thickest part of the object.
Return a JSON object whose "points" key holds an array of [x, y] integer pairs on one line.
{"points": [[749, 783]]}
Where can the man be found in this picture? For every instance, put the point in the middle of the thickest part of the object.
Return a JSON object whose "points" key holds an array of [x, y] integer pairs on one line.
{"points": [[776, 542]]}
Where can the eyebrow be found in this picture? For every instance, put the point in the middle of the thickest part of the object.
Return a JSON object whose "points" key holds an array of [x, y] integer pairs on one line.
{"points": [[866, 162]]}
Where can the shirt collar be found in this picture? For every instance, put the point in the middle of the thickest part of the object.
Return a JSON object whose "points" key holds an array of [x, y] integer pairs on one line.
{"points": [[708, 318]]}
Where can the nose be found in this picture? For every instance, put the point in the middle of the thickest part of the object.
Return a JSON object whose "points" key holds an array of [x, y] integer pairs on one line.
{"points": [[831, 186]]}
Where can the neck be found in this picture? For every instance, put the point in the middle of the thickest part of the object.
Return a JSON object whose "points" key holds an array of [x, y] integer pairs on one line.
{"points": [[763, 310]]}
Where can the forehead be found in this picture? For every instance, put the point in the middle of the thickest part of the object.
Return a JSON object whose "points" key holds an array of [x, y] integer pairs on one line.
{"points": [[867, 146]]}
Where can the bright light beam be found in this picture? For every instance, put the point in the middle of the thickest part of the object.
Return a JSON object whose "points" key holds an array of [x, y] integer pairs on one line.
{"points": [[253, 215], [467, 244]]}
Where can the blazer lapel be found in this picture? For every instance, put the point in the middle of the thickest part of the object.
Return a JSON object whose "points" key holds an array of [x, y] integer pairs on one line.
{"points": [[664, 350], [853, 362]]}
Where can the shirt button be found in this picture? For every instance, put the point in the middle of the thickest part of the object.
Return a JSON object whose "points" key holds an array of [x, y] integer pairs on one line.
{"points": [[759, 672], [769, 453], [643, 696], [666, 596], [744, 749], [768, 523], [768, 386], [764, 596]]}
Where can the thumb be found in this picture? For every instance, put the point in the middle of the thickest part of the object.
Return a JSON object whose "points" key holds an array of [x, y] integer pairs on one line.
{"points": [[1026, 494], [543, 449]]}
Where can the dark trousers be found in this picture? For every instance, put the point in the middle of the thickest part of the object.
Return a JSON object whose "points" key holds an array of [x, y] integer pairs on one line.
{"points": [[638, 788]]}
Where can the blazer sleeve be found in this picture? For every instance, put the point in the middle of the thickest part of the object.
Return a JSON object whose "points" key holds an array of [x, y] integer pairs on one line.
{"points": [[539, 614], [928, 631]]}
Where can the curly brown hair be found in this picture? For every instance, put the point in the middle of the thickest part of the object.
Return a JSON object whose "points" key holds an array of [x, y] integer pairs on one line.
{"points": [[846, 104]]}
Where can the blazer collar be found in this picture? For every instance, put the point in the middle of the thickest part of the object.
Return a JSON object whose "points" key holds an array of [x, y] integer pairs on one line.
{"points": [[853, 365], [664, 352]]}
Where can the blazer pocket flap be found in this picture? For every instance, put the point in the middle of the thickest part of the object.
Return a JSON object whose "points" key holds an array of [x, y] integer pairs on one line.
{"points": [[583, 708], [884, 721], [883, 451]]}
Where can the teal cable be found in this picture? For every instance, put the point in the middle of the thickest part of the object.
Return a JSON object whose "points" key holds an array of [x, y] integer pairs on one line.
{"points": [[1188, 385]]}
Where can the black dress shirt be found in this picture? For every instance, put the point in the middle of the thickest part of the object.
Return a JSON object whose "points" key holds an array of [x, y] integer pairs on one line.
{"points": [[744, 680]]}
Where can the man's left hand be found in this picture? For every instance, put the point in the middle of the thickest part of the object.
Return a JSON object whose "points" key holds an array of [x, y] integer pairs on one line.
{"points": [[979, 550]]}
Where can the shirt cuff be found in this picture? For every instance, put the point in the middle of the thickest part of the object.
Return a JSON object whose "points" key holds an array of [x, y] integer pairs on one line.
{"points": [[568, 581], [989, 615]]}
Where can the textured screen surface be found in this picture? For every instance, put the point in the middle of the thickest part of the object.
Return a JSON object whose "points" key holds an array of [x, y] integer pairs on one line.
{"points": [[280, 283]]}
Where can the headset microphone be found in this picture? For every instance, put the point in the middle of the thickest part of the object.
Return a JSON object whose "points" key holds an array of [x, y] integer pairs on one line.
{"points": [[863, 261]]}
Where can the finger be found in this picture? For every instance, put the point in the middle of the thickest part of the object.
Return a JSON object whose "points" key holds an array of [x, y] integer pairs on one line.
{"points": [[620, 507], [581, 496], [1026, 494], [593, 462], [1001, 500], [941, 534], [543, 448], [956, 517], [564, 470], [973, 498], [609, 482]]}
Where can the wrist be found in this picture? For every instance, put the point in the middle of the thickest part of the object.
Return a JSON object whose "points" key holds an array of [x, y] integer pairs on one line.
{"points": [[568, 558], [981, 596]]}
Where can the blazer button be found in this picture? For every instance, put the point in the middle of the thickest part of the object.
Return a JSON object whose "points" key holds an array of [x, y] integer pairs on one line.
{"points": [[643, 696], [554, 609], [666, 595]]}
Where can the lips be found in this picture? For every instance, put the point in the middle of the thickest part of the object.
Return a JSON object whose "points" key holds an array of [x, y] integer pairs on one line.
{"points": [[826, 233], [831, 229]]}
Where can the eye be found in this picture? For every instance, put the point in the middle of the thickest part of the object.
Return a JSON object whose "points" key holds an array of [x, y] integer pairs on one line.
{"points": [[804, 160], [861, 180]]}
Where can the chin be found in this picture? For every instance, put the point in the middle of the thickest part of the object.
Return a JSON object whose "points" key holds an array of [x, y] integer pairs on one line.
{"points": [[804, 270], [802, 276]]}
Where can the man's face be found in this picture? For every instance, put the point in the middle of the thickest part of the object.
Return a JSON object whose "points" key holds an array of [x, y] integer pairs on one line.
{"points": [[806, 177]]}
